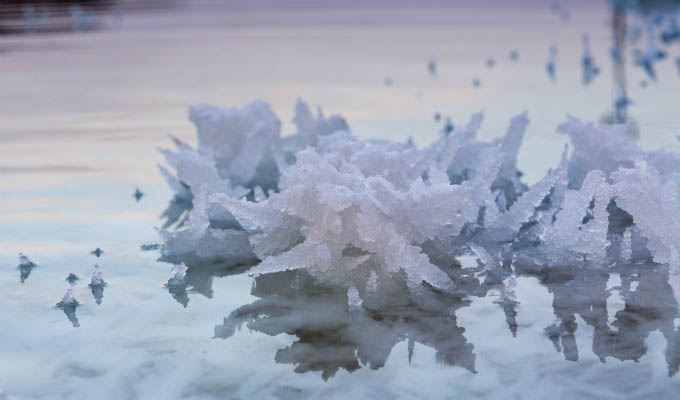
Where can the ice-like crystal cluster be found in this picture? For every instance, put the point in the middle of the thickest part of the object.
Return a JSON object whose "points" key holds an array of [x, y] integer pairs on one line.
{"points": [[370, 214]]}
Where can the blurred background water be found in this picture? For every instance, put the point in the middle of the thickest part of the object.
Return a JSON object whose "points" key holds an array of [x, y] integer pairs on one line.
{"points": [[90, 89]]}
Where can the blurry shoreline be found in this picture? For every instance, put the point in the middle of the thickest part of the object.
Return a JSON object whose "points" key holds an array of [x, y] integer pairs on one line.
{"points": [[18, 17]]}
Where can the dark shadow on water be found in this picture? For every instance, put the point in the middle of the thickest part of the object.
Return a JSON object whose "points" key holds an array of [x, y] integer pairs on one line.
{"points": [[335, 330], [334, 333]]}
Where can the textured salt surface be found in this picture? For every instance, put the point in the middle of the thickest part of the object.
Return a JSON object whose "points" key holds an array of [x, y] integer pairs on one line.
{"points": [[349, 212], [620, 323]]}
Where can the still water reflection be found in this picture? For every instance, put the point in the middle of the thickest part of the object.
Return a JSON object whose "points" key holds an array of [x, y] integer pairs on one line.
{"points": [[335, 330]]}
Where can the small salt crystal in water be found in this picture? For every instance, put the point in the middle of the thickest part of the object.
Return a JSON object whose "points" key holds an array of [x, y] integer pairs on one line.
{"points": [[26, 266], [97, 279], [550, 65], [448, 126], [69, 304], [97, 285], [138, 194], [432, 66], [590, 70], [652, 54], [69, 297], [72, 278]]}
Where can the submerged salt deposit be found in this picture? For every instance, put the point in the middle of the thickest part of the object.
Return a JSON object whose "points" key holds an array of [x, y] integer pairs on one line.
{"points": [[25, 267], [97, 285], [371, 214], [69, 304]]}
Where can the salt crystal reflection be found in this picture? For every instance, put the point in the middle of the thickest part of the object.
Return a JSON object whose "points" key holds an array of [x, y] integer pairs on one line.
{"points": [[332, 332]]}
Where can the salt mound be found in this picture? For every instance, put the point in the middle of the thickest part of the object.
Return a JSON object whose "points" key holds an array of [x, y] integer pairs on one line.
{"points": [[368, 215]]}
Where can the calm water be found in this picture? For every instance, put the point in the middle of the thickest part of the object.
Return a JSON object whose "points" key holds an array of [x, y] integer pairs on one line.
{"points": [[81, 114]]}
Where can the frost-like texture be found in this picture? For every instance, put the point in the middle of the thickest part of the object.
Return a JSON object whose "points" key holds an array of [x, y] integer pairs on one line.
{"points": [[240, 154], [353, 220], [382, 215]]}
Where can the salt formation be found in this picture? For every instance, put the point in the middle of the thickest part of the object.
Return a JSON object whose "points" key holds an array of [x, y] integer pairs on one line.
{"points": [[72, 278], [25, 267], [333, 330], [97, 285], [550, 65], [380, 215], [647, 58], [138, 194], [590, 69], [69, 297], [69, 304], [97, 279]]}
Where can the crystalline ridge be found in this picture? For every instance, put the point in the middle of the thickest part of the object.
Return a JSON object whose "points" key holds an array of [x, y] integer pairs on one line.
{"points": [[362, 214]]}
